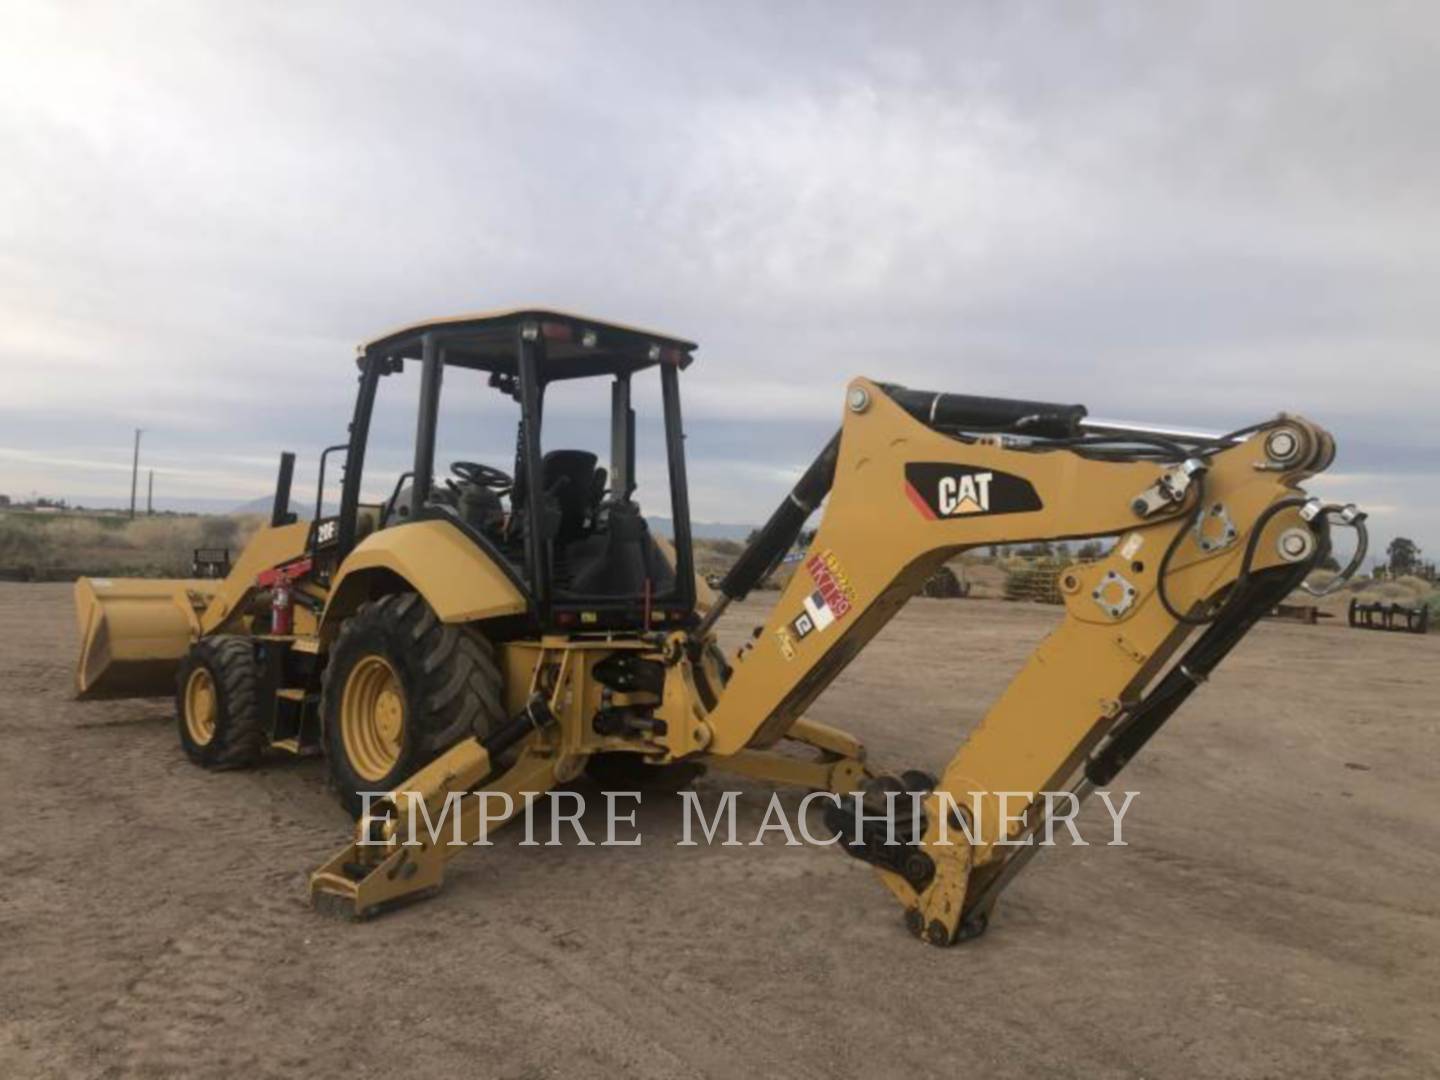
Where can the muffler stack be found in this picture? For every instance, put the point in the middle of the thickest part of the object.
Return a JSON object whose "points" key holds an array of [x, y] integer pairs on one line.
{"points": [[1392, 616]]}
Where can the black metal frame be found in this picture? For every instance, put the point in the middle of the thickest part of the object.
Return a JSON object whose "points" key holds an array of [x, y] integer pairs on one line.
{"points": [[531, 353], [1391, 615], [679, 485], [320, 483], [381, 360], [372, 366], [431, 359]]}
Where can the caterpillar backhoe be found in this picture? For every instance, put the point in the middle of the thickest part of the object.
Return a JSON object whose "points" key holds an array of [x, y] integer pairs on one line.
{"points": [[498, 633]]}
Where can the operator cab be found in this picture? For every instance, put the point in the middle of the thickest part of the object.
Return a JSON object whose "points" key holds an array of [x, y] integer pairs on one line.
{"points": [[565, 523]]}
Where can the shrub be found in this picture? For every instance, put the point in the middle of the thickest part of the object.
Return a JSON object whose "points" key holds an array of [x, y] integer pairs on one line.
{"points": [[23, 551], [110, 545], [218, 531]]}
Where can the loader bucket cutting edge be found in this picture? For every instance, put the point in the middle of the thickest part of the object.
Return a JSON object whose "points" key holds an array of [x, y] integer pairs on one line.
{"points": [[133, 633]]}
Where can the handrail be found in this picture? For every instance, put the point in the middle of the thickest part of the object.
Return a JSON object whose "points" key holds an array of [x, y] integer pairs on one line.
{"points": [[320, 485]]}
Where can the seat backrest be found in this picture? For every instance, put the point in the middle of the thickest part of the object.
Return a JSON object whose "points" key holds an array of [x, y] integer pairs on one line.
{"points": [[569, 475]]}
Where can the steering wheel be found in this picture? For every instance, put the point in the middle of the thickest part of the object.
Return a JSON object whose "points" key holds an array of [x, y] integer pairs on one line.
{"points": [[484, 476]]}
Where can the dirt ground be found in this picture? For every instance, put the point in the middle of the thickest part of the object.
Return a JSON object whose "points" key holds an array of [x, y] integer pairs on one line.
{"points": [[1276, 912]]}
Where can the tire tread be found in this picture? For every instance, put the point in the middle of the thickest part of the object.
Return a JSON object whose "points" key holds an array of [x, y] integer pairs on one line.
{"points": [[460, 684], [240, 736]]}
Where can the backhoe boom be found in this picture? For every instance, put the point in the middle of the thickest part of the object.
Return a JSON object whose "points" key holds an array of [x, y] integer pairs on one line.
{"points": [[1216, 529]]}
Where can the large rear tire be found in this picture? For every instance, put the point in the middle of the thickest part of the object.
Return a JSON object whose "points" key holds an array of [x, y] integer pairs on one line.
{"points": [[400, 688], [217, 703]]}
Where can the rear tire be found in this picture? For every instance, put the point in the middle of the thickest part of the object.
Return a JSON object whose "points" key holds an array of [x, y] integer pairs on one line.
{"points": [[400, 688], [217, 703]]}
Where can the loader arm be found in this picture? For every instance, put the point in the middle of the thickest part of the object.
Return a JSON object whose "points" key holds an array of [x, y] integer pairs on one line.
{"points": [[907, 496]]}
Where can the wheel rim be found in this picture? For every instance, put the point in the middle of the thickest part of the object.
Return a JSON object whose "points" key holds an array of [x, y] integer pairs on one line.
{"points": [[372, 718], [200, 706]]}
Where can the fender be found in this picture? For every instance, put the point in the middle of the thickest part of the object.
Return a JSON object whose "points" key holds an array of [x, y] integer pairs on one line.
{"points": [[456, 578]]}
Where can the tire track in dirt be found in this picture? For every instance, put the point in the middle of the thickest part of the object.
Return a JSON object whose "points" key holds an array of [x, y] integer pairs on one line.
{"points": [[624, 1008], [172, 1018], [152, 919]]}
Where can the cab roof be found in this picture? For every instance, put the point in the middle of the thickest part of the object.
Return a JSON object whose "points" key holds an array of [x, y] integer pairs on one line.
{"points": [[575, 345]]}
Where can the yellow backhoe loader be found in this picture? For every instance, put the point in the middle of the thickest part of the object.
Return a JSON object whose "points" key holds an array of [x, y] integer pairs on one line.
{"points": [[501, 632]]}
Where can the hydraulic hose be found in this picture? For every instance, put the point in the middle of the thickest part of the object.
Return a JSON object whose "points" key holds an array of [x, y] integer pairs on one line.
{"points": [[1245, 564], [1356, 521], [779, 533]]}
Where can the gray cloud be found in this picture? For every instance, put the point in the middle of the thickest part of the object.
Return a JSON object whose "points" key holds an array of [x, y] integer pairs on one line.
{"points": [[1196, 214]]}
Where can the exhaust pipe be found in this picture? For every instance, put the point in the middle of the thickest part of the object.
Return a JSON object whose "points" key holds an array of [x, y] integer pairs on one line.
{"points": [[280, 513]]}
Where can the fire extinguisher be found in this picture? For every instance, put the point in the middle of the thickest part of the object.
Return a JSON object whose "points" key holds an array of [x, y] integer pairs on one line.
{"points": [[282, 606]]}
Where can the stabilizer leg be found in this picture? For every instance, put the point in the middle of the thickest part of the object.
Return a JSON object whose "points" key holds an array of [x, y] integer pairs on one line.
{"points": [[402, 845]]}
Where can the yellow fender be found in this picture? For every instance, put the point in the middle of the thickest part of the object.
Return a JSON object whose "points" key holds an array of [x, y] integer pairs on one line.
{"points": [[456, 578]]}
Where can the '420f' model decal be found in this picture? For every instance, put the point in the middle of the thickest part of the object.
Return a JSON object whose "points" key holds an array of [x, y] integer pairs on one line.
{"points": [[939, 490]]}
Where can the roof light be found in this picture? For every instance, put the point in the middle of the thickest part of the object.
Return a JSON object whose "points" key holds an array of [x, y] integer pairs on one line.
{"points": [[555, 331], [588, 339]]}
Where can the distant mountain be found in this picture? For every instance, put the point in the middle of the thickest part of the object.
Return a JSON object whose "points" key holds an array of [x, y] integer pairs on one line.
{"points": [[302, 509], [704, 530]]}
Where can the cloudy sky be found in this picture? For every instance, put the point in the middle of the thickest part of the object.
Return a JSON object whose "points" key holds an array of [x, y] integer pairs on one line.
{"points": [[1193, 213]]}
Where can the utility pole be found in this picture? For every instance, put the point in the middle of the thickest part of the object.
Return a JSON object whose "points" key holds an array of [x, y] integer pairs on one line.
{"points": [[134, 472], [150, 495]]}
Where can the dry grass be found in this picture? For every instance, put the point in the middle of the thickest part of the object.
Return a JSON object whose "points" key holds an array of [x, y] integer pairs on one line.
{"points": [[1408, 590], [41, 546]]}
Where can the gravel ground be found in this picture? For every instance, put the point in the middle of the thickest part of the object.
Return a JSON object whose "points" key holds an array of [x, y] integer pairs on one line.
{"points": [[1276, 912]]}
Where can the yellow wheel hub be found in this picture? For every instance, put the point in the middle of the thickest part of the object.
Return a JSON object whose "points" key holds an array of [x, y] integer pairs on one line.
{"points": [[200, 706], [372, 718]]}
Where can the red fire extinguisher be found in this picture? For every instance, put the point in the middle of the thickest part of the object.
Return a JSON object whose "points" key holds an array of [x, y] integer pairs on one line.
{"points": [[280, 580], [282, 606]]}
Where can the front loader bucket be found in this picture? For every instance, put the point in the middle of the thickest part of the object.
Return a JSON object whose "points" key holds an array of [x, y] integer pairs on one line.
{"points": [[133, 633]]}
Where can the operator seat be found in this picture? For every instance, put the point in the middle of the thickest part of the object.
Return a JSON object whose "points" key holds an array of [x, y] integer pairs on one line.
{"points": [[569, 476]]}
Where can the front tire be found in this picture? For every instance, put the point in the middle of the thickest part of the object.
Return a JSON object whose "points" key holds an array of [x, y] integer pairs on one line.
{"points": [[400, 688], [217, 703]]}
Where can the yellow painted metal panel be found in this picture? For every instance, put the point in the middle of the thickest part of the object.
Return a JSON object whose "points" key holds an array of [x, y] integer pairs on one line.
{"points": [[458, 580]]}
